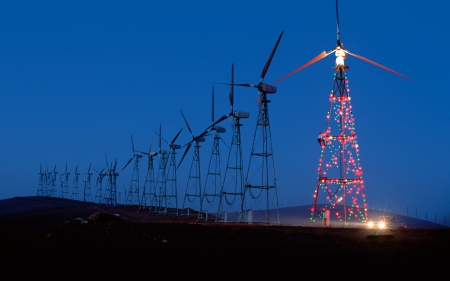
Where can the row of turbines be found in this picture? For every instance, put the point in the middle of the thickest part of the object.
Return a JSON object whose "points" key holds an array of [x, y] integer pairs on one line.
{"points": [[237, 195], [48, 185], [245, 195]]}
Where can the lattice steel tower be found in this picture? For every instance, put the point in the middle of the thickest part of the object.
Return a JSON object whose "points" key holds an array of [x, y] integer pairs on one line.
{"points": [[161, 180], [52, 182], [150, 184], [213, 180], [110, 197], [340, 172], [75, 185], [194, 184], [169, 196], [232, 188], [99, 186], [40, 190], [87, 186], [133, 191], [260, 190], [65, 184]]}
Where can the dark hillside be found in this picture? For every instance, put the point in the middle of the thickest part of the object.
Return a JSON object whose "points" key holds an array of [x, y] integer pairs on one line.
{"points": [[47, 226]]}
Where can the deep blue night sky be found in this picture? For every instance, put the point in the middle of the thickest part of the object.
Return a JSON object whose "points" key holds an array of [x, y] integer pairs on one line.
{"points": [[78, 77]]}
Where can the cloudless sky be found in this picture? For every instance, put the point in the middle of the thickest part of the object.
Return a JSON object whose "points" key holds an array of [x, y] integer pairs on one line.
{"points": [[77, 78]]}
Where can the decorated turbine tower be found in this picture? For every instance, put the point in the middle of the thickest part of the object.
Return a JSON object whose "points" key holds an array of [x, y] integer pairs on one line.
{"points": [[339, 173]]}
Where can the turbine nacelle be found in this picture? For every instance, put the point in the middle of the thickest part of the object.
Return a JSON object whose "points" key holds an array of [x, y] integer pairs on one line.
{"points": [[241, 114], [176, 146], [219, 129], [266, 88]]}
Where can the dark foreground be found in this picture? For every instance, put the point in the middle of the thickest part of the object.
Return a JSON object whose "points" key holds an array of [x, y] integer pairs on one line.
{"points": [[65, 230]]}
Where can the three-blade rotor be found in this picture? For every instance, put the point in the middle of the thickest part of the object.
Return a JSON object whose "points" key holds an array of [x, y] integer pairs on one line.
{"points": [[200, 137], [341, 52], [135, 155]]}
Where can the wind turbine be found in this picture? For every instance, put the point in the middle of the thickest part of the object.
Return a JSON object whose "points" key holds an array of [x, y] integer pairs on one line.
{"points": [[53, 182], [149, 185], [133, 191], [213, 179], [260, 181], [232, 187], [65, 183], [75, 184], [340, 172], [87, 186], [111, 188], [194, 185], [161, 179], [169, 192], [40, 191], [98, 186], [48, 181]]}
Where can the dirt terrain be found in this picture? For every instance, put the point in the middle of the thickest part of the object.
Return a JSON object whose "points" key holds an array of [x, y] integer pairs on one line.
{"points": [[36, 226]]}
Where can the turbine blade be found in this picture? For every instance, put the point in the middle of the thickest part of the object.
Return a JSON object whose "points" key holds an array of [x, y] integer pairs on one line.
{"points": [[266, 67], [377, 64], [159, 136], [223, 141], [150, 147], [187, 125], [317, 58], [212, 107], [337, 24], [175, 138], [246, 85], [218, 121], [185, 152], [202, 134], [231, 97], [232, 122], [132, 142]]}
